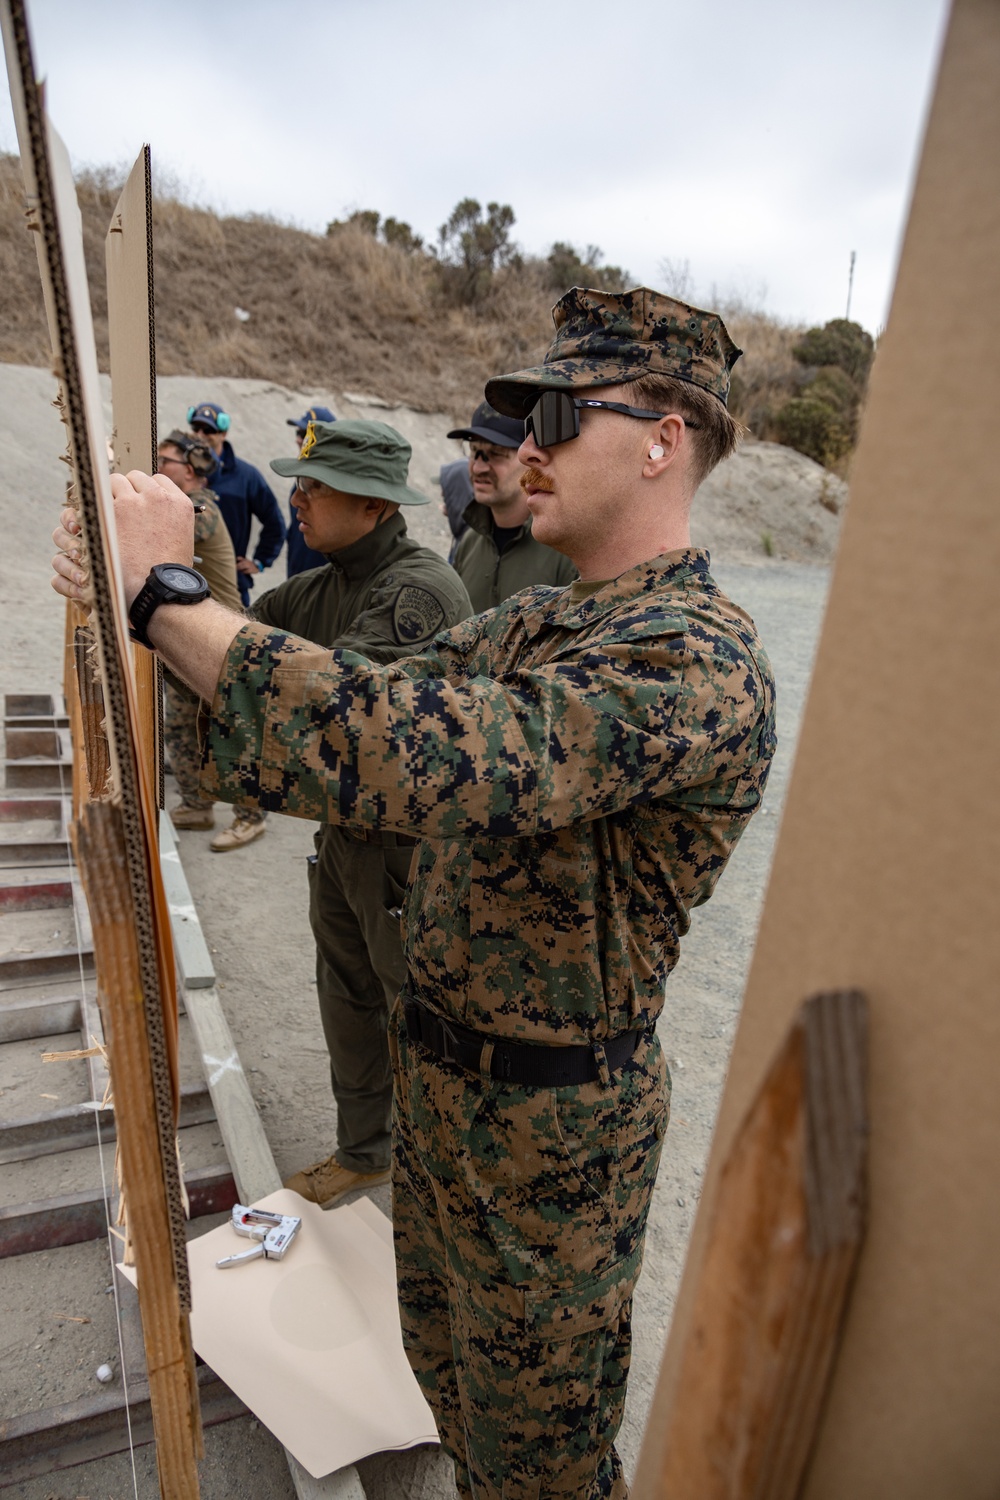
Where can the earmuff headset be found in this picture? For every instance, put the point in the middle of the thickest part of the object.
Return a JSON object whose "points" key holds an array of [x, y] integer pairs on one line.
{"points": [[222, 419]]}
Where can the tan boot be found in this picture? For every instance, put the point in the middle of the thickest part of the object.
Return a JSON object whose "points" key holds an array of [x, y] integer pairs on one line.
{"points": [[241, 831], [327, 1181], [183, 816]]}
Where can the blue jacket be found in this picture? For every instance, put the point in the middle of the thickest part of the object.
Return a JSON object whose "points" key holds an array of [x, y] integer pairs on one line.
{"points": [[301, 557], [242, 493]]}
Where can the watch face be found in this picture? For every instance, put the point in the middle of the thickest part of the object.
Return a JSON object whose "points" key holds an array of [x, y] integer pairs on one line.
{"points": [[182, 579]]}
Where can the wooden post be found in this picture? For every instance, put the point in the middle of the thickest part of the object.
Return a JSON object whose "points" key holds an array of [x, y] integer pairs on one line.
{"points": [[132, 342], [117, 839], [787, 1225]]}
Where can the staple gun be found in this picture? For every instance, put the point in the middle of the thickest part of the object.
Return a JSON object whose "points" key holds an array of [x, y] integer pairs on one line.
{"points": [[274, 1233]]}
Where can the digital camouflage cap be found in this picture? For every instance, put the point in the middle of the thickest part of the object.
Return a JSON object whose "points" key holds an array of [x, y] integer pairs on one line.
{"points": [[610, 338], [357, 458]]}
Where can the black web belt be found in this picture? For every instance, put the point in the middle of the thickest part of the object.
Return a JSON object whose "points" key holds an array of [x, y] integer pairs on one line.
{"points": [[514, 1062]]}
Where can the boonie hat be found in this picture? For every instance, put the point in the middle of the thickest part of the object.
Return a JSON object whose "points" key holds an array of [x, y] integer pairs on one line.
{"points": [[314, 414], [196, 453], [491, 427], [360, 458], [610, 338]]}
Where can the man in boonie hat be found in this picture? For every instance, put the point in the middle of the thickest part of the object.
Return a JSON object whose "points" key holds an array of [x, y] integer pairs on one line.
{"points": [[381, 594], [299, 556], [579, 764]]}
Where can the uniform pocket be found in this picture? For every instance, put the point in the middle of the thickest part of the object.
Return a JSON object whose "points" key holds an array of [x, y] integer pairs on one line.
{"points": [[565, 1312], [546, 1205], [543, 1395]]}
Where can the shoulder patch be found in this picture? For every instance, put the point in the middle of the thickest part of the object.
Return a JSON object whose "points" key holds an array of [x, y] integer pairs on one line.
{"points": [[416, 614]]}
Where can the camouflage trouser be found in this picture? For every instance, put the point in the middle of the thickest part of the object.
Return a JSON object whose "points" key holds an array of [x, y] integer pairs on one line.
{"points": [[180, 739], [354, 890], [519, 1216], [181, 707]]}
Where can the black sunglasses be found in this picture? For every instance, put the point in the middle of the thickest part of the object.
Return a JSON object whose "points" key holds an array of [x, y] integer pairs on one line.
{"points": [[555, 416]]}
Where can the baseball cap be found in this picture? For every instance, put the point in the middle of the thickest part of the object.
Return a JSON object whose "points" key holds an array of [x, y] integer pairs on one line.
{"points": [[360, 458], [314, 414], [207, 413], [610, 338], [491, 427]]}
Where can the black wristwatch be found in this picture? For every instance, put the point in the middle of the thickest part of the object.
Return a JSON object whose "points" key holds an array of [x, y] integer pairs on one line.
{"points": [[167, 583]]}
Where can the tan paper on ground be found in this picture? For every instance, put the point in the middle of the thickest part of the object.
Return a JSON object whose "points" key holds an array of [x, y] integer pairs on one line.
{"points": [[312, 1343]]}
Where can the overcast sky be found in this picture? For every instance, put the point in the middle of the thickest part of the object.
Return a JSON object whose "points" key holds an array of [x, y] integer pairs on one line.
{"points": [[757, 141]]}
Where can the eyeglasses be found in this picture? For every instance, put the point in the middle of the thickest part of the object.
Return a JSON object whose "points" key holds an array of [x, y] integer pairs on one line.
{"points": [[555, 416], [162, 459], [476, 453], [203, 431], [307, 486]]}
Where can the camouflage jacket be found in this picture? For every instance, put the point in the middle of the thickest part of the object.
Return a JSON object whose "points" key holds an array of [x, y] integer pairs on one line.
{"points": [[579, 762], [385, 596], [491, 576]]}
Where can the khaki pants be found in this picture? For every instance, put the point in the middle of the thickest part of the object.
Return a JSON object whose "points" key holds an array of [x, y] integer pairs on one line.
{"points": [[355, 892], [519, 1217]]}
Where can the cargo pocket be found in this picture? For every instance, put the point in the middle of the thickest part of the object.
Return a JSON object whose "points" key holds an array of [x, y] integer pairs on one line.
{"points": [[542, 1402]]}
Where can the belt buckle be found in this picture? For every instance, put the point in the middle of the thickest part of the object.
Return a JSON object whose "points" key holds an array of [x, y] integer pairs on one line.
{"points": [[450, 1040]]}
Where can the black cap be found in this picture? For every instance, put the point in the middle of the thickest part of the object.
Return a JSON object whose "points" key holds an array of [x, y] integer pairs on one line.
{"points": [[490, 427]]}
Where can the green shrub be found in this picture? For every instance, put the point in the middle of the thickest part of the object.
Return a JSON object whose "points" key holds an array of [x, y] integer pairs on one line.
{"points": [[841, 343], [398, 232], [472, 246], [567, 267], [813, 427], [365, 219]]}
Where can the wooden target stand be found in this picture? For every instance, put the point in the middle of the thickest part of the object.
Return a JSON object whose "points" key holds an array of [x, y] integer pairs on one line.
{"points": [[114, 700], [114, 720], [778, 1379]]}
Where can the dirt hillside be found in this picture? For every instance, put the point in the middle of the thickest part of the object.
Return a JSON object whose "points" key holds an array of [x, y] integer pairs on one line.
{"points": [[252, 298]]}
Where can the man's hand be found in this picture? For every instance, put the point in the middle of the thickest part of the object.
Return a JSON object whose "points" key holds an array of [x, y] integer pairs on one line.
{"points": [[70, 580], [155, 524], [244, 565]]}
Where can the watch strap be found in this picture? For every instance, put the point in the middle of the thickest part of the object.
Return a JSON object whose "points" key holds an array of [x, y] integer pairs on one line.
{"points": [[153, 593]]}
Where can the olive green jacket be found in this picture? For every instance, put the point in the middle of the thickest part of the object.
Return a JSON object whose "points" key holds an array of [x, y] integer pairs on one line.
{"points": [[492, 576], [213, 551], [384, 597]]}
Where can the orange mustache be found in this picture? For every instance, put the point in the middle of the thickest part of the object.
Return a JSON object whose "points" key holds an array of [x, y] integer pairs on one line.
{"points": [[534, 479]]}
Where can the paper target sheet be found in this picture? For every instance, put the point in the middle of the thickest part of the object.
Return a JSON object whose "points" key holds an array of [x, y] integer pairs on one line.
{"points": [[312, 1343]]}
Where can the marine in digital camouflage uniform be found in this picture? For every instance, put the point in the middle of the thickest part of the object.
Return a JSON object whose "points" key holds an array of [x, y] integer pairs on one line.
{"points": [[189, 463], [579, 764], [382, 594]]}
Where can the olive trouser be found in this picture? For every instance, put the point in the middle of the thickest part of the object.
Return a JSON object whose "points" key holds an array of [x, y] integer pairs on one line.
{"points": [[356, 890], [519, 1216]]}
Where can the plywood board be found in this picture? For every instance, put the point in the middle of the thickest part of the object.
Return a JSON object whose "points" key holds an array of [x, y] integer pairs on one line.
{"points": [[132, 345], [116, 838], [887, 871]]}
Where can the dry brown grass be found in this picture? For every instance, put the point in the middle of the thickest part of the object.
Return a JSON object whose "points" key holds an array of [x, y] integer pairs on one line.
{"points": [[343, 312], [767, 374]]}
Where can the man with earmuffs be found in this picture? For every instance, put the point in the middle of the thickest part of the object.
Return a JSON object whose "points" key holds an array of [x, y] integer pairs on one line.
{"points": [[242, 493]]}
